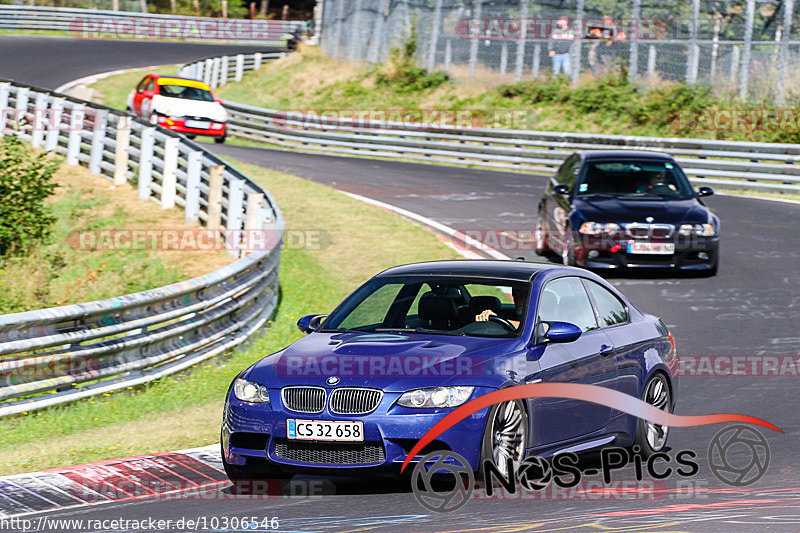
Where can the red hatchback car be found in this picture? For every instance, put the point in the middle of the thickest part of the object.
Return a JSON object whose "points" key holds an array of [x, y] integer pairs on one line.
{"points": [[179, 104]]}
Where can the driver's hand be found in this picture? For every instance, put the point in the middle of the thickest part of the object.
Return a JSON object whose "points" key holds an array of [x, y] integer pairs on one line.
{"points": [[484, 317]]}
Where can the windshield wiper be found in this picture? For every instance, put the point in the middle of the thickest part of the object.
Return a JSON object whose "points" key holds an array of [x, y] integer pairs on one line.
{"points": [[342, 330], [418, 330]]}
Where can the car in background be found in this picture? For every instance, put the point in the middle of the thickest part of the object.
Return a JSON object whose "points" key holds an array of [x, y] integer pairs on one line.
{"points": [[627, 209], [179, 104], [409, 346]]}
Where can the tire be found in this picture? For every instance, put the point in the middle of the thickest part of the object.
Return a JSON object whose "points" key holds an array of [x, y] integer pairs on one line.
{"points": [[154, 119], [513, 416], [220, 140], [652, 438], [242, 476], [568, 253], [540, 238], [190, 136]]}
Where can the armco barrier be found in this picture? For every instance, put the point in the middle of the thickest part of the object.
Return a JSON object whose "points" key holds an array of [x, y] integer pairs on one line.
{"points": [[731, 164], [89, 23], [57, 355]]}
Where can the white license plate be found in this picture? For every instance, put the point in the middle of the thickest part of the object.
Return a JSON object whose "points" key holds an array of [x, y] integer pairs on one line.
{"points": [[653, 248], [197, 124], [325, 430]]}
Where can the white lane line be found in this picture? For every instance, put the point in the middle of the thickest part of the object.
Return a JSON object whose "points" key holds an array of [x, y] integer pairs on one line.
{"points": [[470, 242]]}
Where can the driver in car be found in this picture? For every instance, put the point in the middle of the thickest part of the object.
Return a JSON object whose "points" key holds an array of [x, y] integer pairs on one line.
{"points": [[518, 296], [657, 183]]}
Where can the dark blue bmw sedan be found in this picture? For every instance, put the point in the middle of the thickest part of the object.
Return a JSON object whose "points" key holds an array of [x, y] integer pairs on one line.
{"points": [[627, 209], [417, 341]]}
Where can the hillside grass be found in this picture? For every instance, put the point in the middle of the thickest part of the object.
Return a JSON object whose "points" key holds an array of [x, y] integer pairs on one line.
{"points": [[185, 410], [58, 272]]}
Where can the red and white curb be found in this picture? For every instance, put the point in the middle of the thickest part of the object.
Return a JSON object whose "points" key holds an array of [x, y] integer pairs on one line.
{"points": [[196, 472]]}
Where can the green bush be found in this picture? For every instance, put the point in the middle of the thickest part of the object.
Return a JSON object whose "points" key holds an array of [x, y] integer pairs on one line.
{"points": [[403, 76], [25, 184]]}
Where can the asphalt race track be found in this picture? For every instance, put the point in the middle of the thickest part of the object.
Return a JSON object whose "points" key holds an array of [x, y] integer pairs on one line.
{"points": [[752, 308]]}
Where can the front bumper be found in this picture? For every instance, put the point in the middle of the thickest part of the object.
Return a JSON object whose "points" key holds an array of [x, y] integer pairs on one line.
{"points": [[215, 129], [258, 432], [608, 254]]}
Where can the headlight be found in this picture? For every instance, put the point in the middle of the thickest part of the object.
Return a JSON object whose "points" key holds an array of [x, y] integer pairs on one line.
{"points": [[703, 230], [436, 397], [247, 391], [596, 228]]}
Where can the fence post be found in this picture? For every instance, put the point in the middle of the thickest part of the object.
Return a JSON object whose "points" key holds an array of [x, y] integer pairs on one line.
{"points": [[21, 107], [239, 67], [144, 6], [98, 141], [54, 125], [5, 90], [783, 59], [223, 71], [448, 56], [169, 177], [435, 23], [694, 49], [504, 58], [523, 35], [193, 168], [537, 58], [75, 139], [474, 36], [748, 42], [337, 43], [148, 140], [121, 150], [633, 63], [215, 63], [252, 223], [235, 207], [651, 63], [215, 197], [39, 116], [198, 70], [735, 58], [575, 60], [257, 61], [207, 71]]}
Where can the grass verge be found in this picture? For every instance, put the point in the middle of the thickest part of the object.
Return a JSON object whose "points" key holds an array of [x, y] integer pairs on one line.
{"points": [[58, 272], [185, 410]]}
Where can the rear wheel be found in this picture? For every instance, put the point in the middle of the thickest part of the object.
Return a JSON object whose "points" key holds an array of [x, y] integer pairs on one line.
{"points": [[651, 437], [220, 140], [505, 436]]}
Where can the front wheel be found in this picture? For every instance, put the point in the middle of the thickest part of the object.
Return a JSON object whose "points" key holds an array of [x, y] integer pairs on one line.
{"points": [[568, 252], [220, 140], [540, 237], [651, 437], [505, 436]]}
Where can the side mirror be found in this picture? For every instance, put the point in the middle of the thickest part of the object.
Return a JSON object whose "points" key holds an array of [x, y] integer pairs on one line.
{"points": [[309, 323], [218, 100], [562, 332], [705, 191], [562, 189]]}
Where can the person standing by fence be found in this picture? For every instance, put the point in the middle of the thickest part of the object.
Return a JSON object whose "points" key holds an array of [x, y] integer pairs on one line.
{"points": [[560, 43]]}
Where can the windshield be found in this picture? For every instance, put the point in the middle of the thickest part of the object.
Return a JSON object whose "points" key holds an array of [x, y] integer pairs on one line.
{"points": [[634, 178], [466, 307], [187, 93]]}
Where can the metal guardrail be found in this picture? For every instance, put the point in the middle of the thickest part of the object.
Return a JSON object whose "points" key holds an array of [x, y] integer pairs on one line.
{"points": [[57, 355], [131, 25], [728, 164]]}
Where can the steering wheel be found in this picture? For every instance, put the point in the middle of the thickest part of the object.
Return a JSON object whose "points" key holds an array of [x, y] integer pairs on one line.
{"points": [[503, 322]]}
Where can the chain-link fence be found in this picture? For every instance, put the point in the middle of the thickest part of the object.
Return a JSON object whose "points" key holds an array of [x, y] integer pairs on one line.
{"points": [[741, 47]]}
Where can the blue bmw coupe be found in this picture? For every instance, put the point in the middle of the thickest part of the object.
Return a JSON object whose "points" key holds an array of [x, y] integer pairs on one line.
{"points": [[417, 341]]}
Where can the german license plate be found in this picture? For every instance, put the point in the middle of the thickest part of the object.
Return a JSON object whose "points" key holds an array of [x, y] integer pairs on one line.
{"points": [[197, 124], [345, 431], [652, 248]]}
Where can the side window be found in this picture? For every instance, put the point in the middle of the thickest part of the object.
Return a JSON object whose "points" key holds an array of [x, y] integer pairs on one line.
{"points": [[609, 308], [140, 87], [148, 86], [565, 300], [566, 174]]}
